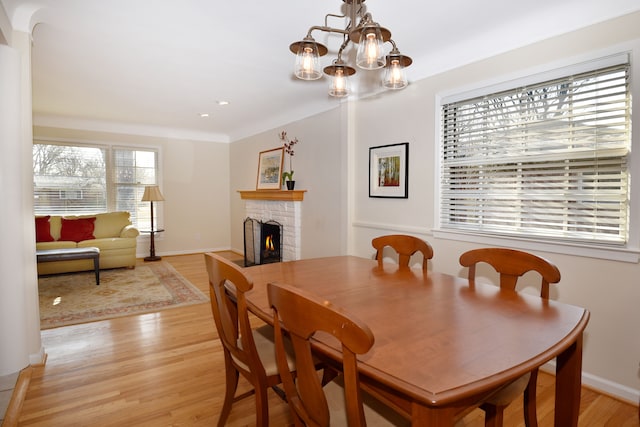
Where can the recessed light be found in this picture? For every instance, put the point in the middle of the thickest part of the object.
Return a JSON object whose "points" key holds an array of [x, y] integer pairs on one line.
{"points": [[203, 115], [222, 102]]}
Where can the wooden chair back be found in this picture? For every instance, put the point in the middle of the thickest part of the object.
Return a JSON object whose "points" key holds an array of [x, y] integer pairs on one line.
{"points": [[405, 246], [227, 287], [230, 312], [302, 314], [511, 264]]}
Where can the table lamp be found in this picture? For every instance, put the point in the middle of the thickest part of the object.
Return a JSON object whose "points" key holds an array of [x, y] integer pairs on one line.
{"points": [[152, 194]]}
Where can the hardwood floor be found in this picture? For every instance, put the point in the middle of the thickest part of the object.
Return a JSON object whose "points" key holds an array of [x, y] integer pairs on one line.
{"points": [[167, 368]]}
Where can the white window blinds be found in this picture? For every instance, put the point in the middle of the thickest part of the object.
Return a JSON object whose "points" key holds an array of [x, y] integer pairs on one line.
{"points": [[86, 179], [544, 161], [69, 179], [133, 169]]}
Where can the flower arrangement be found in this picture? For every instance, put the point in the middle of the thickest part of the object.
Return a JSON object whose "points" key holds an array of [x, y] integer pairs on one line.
{"points": [[288, 149]]}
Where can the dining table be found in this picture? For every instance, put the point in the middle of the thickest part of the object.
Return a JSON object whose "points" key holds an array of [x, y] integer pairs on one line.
{"points": [[442, 343]]}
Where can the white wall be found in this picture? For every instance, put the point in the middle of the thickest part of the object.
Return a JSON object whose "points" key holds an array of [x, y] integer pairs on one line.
{"points": [[609, 289], [318, 168], [14, 348], [20, 332]]}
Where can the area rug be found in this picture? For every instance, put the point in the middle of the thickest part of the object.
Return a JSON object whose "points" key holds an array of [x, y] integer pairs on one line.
{"points": [[72, 298]]}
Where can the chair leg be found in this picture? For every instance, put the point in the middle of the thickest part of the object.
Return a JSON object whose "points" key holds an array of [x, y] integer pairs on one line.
{"points": [[493, 415], [530, 405], [262, 405], [231, 381]]}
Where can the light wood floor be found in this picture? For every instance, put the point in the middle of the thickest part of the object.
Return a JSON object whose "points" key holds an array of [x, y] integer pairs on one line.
{"points": [[167, 368]]}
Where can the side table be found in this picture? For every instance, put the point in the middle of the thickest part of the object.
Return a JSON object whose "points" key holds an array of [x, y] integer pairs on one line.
{"points": [[152, 249]]}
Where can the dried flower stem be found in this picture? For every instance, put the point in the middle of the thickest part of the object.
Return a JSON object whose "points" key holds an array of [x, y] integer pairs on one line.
{"points": [[288, 148]]}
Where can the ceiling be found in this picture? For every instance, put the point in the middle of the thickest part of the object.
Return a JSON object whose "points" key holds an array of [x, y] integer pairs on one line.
{"points": [[153, 66]]}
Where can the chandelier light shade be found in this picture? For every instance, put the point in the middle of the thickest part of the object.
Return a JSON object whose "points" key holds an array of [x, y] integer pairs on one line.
{"points": [[370, 38], [308, 54], [370, 54], [340, 73], [394, 74]]}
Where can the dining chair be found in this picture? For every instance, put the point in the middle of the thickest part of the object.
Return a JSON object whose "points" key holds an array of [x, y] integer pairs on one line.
{"points": [[405, 246], [342, 401], [512, 264], [248, 352]]}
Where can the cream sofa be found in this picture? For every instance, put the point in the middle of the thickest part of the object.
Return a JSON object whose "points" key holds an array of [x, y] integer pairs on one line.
{"points": [[111, 232]]}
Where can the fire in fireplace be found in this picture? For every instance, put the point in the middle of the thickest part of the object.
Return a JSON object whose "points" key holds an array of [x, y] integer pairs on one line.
{"points": [[268, 248], [270, 241]]}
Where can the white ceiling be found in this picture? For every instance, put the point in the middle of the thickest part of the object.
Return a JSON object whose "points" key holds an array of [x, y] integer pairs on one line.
{"points": [[152, 66]]}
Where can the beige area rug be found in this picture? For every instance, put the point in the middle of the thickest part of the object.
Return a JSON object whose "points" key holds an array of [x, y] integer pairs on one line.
{"points": [[72, 298]]}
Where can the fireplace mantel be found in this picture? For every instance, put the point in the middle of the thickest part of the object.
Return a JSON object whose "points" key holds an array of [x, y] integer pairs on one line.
{"points": [[282, 195]]}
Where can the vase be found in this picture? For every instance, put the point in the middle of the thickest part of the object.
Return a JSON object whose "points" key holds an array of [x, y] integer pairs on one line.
{"points": [[291, 185]]}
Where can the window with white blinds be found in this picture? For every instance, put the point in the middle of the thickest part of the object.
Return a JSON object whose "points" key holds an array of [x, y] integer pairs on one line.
{"points": [[547, 161], [73, 179]]}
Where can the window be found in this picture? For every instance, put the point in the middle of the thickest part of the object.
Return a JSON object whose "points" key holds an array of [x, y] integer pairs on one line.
{"points": [[85, 179], [545, 162]]}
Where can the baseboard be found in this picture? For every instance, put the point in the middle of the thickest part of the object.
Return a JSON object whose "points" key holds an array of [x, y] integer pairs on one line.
{"points": [[17, 398], [39, 358], [190, 252], [602, 385], [619, 391]]}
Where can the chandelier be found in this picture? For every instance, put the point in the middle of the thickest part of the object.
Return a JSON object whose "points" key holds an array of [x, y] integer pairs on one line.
{"points": [[370, 38]]}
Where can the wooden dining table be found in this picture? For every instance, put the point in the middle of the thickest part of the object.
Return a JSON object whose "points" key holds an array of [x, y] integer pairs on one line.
{"points": [[441, 343]]}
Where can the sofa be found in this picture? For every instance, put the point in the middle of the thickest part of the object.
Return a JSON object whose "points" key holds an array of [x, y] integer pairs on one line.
{"points": [[111, 232]]}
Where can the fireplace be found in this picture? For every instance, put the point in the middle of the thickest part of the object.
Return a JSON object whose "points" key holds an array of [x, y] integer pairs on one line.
{"points": [[262, 242], [284, 207]]}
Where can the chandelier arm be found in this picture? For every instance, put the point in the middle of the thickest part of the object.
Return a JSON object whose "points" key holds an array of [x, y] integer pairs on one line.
{"points": [[395, 52], [342, 47], [326, 29], [326, 20], [353, 21], [354, 13]]}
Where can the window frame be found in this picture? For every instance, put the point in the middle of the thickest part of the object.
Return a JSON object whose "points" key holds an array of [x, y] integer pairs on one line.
{"points": [[111, 184], [629, 252]]}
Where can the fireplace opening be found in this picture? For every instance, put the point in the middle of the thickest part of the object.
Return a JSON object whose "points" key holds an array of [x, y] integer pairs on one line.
{"points": [[262, 242]]}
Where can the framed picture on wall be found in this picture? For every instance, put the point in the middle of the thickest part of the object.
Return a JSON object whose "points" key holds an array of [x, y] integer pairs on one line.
{"points": [[270, 169], [389, 171]]}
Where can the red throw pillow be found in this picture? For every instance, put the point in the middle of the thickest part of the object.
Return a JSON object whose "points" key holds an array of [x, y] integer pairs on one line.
{"points": [[77, 230], [43, 229]]}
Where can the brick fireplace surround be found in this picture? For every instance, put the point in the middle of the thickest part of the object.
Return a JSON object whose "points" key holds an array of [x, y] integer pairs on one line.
{"points": [[282, 206]]}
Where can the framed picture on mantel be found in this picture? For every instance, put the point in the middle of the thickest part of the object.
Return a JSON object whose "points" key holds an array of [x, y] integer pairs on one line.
{"points": [[270, 169], [389, 171]]}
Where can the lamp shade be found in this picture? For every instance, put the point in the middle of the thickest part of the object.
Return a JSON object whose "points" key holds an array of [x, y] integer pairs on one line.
{"points": [[339, 85], [308, 54], [370, 54], [395, 76], [152, 194]]}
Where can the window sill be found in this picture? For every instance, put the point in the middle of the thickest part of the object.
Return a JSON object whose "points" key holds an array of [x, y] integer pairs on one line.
{"points": [[603, 252]]}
